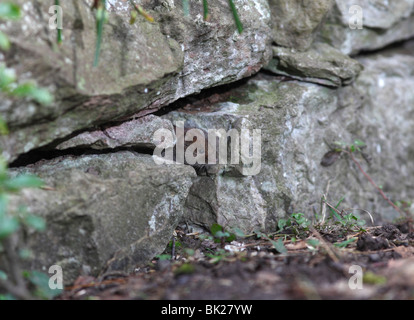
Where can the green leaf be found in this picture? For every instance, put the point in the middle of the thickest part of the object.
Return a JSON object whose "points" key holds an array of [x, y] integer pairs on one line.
{"points": [[205, 10], [7, 77], [23, 181], [260, 235], [215, 227], [336, 214], [30, 90], [281, 224], [4, 130], [8, 225], [4, 42], [42, 96], [24, 90], [35, 222], [359, 143], [9, 11], [162, 257], [301, 220], [313, 242], [231, 237], [41, 282], [3, 275], [340, 143], [221, 234], [3, 205], [238, 232], [26, 254], [279, 246]]}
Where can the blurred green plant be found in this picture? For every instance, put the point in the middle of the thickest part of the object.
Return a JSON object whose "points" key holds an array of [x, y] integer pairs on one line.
{"points": [[297, 222], [8, 80], [220, 235], [101, 18], [236, 17], [14, 281]]}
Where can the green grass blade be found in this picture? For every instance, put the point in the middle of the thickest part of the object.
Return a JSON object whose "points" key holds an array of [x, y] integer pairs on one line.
{"points": [[342, 199], [236, 16], [4, 42], [100, 21], [98, 42], [335, 214], [205, 10], [279, 246]]}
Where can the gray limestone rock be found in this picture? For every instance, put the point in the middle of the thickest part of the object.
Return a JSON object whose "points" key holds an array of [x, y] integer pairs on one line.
{"points": [[142, 67], [138, 133], [383, 23], [299, 124], [296, 22], [321, 64], [104, 213]]}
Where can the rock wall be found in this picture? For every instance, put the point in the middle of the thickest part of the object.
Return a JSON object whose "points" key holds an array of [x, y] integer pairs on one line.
{"points": [[104, 212], [383, 23], [142, 67], [109, 206]]}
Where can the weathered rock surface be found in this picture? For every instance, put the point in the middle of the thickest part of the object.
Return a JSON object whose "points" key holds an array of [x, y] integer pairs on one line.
{"points": [[115, 210], [299, 123], [384, 22], [321, 64], [137, 133], [296, 22], [112, 211], [142, 66]]}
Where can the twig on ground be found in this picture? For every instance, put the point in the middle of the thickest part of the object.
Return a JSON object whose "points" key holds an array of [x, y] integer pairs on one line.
{"points": [[372, 181], [329, 250]]}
